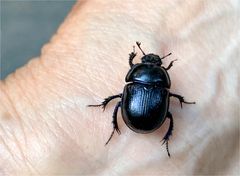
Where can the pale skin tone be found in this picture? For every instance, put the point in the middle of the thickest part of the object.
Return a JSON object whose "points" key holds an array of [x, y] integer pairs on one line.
{"points": [[46, 128]]}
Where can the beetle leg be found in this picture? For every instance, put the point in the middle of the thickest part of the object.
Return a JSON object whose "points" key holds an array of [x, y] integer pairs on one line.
{"points": [[169, 132], [181, 99], [106, 101], [132, 56], [115, 124], [170, 65]]}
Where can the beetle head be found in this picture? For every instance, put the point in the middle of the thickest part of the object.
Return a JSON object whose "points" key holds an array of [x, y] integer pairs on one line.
{"points": [[152, 58]]}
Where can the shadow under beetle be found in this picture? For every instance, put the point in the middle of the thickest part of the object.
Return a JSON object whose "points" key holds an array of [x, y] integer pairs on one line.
{"points": [[145, 98]]}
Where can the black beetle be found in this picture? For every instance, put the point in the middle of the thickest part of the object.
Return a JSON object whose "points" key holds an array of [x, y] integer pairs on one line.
{"points": [[145, 98]]}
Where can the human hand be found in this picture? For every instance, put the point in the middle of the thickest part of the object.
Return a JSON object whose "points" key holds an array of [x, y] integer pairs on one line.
{"points": [[47, 129]]}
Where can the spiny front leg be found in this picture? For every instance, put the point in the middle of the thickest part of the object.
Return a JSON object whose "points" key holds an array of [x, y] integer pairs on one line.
{"points": [[115, 124], [106, 101], [181, 99], [132, 56], [170, 65], [169, 132]]}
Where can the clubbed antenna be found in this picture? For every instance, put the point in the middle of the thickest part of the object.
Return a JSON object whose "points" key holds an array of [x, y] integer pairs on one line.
{"points": [[166, 56], [138, 44]]}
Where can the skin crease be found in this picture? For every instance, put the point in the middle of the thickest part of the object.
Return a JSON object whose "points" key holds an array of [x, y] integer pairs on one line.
{"points": [[46, 128]]}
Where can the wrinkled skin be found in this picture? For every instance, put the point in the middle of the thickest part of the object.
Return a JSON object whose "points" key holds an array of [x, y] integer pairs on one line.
{"points": [[46, 128]]}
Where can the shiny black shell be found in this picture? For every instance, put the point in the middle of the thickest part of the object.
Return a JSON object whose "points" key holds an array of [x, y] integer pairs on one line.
{"points": [[145, 99], [151, 74]]}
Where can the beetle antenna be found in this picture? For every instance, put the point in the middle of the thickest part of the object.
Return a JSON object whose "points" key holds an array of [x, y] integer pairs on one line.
{"points": [[138, 44], [166, 56]]}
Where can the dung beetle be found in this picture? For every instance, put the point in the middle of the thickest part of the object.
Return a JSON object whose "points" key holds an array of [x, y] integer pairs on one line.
{"points": [[145, 98]]}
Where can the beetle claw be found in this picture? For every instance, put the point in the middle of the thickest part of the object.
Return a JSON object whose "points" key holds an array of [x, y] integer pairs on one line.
{"points": [[109, 138], [103, 107], [138, 43], [132, 54], [94, 105], [118, 131], [164, 141]]}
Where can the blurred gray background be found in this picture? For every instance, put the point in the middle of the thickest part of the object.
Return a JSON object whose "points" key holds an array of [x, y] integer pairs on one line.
{"points": [[25, 27]]}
